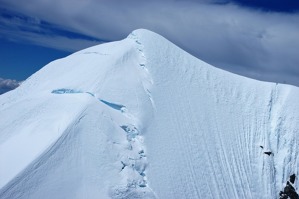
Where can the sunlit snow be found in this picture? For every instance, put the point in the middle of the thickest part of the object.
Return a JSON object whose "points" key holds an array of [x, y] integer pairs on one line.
{"points": [[141, 118]]}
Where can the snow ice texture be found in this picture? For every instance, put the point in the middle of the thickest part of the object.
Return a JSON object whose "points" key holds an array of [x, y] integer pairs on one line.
{"points": [[141, 118]]}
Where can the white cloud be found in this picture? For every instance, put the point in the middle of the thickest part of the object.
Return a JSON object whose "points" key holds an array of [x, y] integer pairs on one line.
{"points": [[253, 43], [51, 41], [7, 85]]}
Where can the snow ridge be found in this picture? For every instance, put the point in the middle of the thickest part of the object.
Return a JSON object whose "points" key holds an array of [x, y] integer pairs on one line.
{"points": [[132, 160], [134, 165], [147, 80]]}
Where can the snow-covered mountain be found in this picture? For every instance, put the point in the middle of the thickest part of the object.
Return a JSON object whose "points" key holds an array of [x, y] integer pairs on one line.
{"points": [[141, 118]]}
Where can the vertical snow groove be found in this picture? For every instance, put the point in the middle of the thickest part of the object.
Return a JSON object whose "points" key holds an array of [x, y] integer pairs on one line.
{"points": [[270, 160], [273, 127], [236, 178], [283, 142], [276, 142]]}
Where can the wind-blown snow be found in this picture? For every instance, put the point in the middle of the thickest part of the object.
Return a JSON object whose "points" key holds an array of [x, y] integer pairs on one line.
{"points": [[140, 118]]}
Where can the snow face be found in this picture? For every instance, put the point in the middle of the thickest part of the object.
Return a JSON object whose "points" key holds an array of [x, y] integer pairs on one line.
{"points": [[140, 118]]}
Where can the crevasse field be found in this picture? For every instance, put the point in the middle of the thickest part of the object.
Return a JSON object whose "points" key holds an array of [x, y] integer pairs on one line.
{"points": [[141, 118]]}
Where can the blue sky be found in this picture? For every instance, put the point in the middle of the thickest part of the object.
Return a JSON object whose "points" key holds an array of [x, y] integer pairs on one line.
{"points": [[18, 60], [254, 38]]}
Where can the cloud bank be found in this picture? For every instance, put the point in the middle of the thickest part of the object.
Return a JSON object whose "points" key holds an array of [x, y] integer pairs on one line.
{"points": [[7, 85], [245, 41]]}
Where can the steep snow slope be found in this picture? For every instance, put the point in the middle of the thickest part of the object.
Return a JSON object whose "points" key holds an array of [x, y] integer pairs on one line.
{"points": [[205, 138], [140, 118], [72, 129]]}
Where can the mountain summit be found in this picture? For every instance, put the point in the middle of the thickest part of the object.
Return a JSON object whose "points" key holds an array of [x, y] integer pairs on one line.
{"points": [[141, 118]]}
